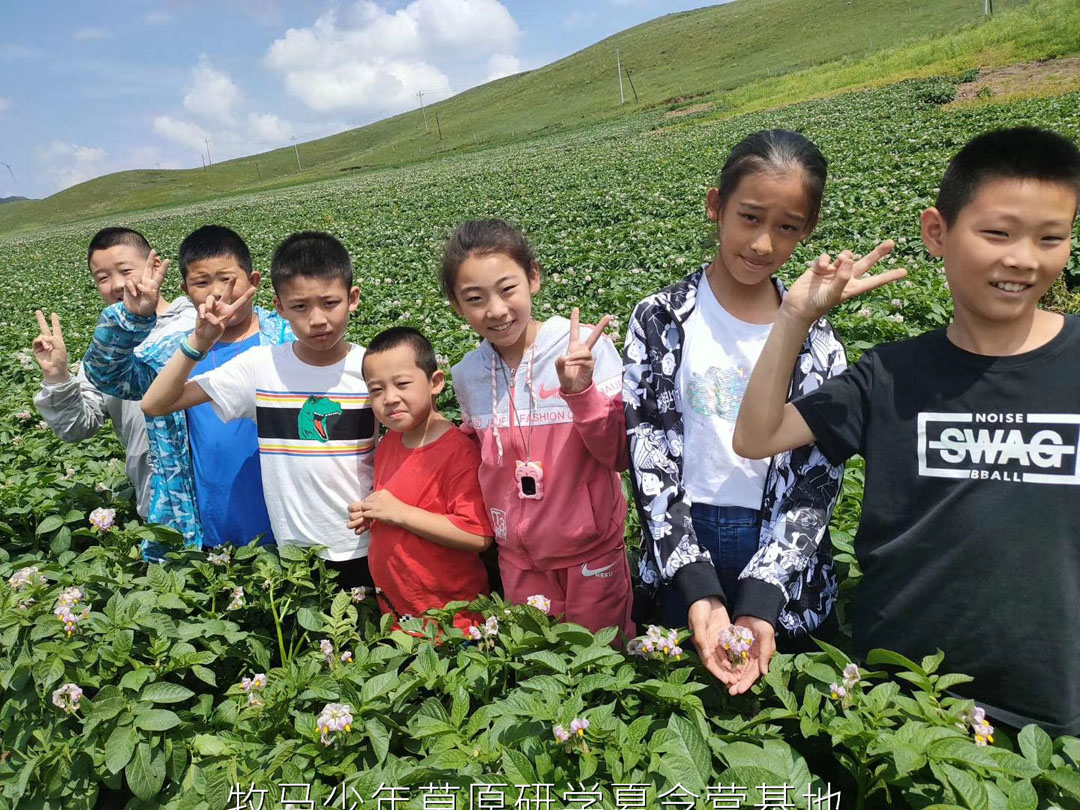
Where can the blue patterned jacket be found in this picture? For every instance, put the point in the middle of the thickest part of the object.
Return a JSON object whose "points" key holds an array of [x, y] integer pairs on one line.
{"points": [[118, 363]]}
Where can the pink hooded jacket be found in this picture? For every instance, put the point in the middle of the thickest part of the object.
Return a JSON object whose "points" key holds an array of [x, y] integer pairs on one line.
{"points": [[579, 440]]}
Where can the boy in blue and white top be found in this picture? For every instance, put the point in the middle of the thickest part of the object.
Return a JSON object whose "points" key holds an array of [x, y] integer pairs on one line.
{"points": [[307, 400], [206, 481]]}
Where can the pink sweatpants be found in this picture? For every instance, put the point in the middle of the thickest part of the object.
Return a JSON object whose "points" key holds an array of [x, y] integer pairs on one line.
{"points": [[595, 594]]}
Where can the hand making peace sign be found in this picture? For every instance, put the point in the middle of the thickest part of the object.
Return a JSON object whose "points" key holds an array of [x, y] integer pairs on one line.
{"points": [[141, 294], [213, 317], [830, 281], [50, 351], [575, 368]]}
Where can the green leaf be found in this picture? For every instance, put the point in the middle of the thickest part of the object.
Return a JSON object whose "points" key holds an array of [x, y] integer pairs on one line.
{"points": [[309, 619], [895, 659], [549, 659], [54, 673], [1014, 764], [962, 752], [164, 692], [158, 578], [379, 738], [146, 772], [157, 720], [135, 678], [1066, 779], [204, 674], [378, 685], [1036, 745], [210, 746], [952, 679], [685, 757], [49, 524], [968, 789], [119, 748], [108, 708], [1023, 797], [517, 767]]}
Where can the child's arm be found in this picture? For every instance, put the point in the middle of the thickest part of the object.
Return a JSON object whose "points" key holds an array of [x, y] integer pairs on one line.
{"points": [[598, 419], [383, 506], [73, 409], [172, 391], [768, 424]]}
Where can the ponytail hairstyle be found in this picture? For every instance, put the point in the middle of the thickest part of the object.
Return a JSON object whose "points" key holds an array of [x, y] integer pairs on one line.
{"points": [[777, 151], [484, 237]]}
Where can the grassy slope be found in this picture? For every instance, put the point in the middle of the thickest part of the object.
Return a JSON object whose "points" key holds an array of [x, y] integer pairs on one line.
{"points": [[727, 49]]}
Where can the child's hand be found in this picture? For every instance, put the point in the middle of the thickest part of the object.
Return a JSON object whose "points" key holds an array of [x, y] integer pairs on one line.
{"points": [[575, 368], [141, 296], [50, 351], [213, 316], [830, 281], [379, 505]]}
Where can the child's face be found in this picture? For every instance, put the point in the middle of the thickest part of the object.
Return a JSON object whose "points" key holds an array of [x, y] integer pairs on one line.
{"points": [[1005, 248], [494, 294], [401, 393], [760, 223], [223, 278], [111, 268], [318, 310]]}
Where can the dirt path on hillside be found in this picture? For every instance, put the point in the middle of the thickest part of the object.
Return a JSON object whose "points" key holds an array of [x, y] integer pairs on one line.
{"points": [[1047, 77]]}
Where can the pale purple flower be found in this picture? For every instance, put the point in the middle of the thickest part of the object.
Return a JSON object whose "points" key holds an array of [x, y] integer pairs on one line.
{"points": [[897, 318], [24, 416], [897, 303], [475, 633], [736, 641], [578, 726], [30, 575], [219, 558], [103, 519], [67, 698], [67, 600], [327, 649], [561, 734], [334, 717], [866, 313], [976, 719], [540, 602], [837, 691], [346, 657], [358, 594], [42, 425], [491, 626]]}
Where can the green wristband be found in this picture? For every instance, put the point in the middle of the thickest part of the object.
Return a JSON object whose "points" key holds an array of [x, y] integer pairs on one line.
{"points": [[191, 351]]}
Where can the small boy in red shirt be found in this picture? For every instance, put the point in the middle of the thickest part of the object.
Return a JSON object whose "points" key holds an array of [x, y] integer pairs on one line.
{"points": [[426, 512]]}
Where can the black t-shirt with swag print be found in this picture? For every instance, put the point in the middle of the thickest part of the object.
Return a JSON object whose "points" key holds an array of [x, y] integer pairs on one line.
{"points": [[970, 533]]}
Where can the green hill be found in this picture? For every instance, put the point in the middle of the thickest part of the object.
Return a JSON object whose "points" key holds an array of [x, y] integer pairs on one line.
{"points": [[706, 55]]}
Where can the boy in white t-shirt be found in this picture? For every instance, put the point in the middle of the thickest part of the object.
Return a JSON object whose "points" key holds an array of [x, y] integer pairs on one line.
{"points": [[317, 432]]}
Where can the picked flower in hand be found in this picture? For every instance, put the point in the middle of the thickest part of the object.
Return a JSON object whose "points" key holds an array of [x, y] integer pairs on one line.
{"points": [[736, 641]]}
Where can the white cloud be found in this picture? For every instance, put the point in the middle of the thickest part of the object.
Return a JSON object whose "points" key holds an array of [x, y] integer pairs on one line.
{"points": [[503, 64], [372, 60], [268, 127], [182, 132], [91, 33], [211, 94], [67, 164], [159, 18]]}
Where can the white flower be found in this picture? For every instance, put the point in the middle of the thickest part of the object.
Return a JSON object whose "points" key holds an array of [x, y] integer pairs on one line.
{"points": [[25, 576], [540, 602], [358, 594], [67, 698], [851, 675], [219, 558], [334, 717]]}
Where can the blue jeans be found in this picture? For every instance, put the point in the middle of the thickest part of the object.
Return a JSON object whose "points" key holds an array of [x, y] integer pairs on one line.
{"points": [[730, 535]]}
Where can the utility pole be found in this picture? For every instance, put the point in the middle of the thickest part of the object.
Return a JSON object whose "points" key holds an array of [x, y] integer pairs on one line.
{"points": [[13, 180], [421, 94], [618, 66], [208, 158], [201, 158], [631, 84], [296, 151], [988, 8], [437, 124]]}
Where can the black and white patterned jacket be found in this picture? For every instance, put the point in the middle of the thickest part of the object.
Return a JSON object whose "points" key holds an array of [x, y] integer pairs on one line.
{"points": [[791, 581]]}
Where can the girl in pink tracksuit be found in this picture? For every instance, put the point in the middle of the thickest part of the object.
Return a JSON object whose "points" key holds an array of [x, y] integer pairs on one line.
{"points": [[544, 400]]}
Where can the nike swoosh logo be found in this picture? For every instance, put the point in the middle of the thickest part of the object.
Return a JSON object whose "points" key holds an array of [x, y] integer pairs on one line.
{"points": [[592, 572], [547, 393]]}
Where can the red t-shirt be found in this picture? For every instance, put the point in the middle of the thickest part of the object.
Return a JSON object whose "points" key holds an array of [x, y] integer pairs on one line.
{"points": [[416, 574]]}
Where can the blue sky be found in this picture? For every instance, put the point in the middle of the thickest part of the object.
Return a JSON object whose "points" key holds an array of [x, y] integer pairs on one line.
{"points": [[91, 88]]}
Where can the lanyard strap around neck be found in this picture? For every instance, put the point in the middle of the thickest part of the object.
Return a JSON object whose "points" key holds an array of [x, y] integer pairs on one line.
{"points": [[511, 411]]}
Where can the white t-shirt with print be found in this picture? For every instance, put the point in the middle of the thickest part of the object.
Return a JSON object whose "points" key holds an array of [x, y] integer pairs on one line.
{"points": [[719, 352], [317, 436]]}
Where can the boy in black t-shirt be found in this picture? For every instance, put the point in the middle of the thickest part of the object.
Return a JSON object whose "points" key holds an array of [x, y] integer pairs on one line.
{"points": [[970, 532]]}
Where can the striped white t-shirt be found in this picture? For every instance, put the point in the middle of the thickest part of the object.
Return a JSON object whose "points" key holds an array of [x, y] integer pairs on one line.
{"points": [[317, 436]]}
